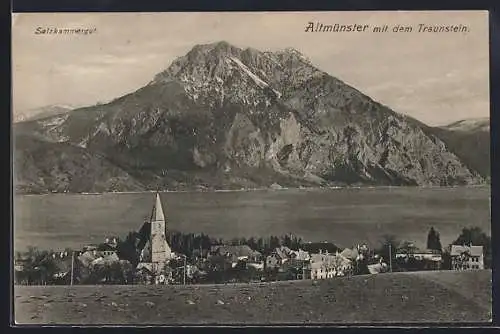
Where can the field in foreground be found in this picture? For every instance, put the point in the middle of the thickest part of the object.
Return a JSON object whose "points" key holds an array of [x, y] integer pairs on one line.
{"points": [[400, 297]]}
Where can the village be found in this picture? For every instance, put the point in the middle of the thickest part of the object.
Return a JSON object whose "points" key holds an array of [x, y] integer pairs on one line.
{"points": [[146, 257]]}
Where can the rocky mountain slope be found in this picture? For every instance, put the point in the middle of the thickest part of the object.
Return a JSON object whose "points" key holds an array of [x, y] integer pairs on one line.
{"points": [[225, 117], [40, 166]]}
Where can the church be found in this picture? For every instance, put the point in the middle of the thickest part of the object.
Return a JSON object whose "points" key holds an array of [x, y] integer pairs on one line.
{"points": [[156, 253]]}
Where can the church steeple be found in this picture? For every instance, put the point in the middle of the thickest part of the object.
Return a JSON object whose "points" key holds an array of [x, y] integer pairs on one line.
{"points": [[156, 253], [160, 250], [157, 214]]}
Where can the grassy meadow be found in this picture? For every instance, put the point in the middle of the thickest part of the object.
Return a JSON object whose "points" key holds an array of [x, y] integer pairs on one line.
{"points": [[430, 297]]}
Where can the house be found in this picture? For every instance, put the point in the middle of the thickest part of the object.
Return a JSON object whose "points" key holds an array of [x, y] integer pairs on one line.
{"points": [[300, 255], [283, 258], [105, 250], [296, 268], [431, 258], [236, 253], [274, 261], [286, 264], [278, 257], [351, 254], [418, 254], [111, 241], [325, 265], [86, 258], [467, 257], [106, 259], [89, 247], [98, 250], [20, 264], [363, 248]]}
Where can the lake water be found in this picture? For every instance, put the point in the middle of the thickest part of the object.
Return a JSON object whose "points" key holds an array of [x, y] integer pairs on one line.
{"points": [[342, 216]]}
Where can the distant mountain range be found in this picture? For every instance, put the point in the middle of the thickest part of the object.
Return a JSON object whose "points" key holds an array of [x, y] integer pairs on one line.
{"points": [[470, 125], [221, 117], [39, 113], [470, 141]]}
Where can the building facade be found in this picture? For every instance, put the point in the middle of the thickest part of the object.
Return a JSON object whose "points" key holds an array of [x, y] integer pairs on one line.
{"points": [[467, 257], [325, 265], [432, 259]]}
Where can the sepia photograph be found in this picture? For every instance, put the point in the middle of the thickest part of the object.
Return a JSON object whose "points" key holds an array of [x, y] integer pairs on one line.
{"points": [[251, 168]]}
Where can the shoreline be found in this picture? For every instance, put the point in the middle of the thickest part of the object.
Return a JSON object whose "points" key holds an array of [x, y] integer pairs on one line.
{"points": [[253, 190]]}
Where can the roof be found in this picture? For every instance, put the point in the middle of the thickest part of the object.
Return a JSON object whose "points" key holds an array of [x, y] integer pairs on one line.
{"points": [[351, 254], [328, 260], [143, 235], [158, 210], [145, 254], [112, 258], [301, 255], [316, 247], [144, 266], [105, 247], [472, 250], [86, 258], [106, 259], [283, 252], [419, 251], [238, 250]]}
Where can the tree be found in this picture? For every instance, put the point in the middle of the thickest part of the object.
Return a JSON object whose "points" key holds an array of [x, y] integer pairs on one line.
{"points": [[286, 241], [360, 266], [387, 250], [252, 243], [433, 240], [218, 269], [261, 245], [409, 262], [38, 268], [446, 265], [127, 250], [274, 242]]}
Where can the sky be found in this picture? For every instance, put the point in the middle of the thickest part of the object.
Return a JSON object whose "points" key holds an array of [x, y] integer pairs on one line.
{"points": [[437, 78]]}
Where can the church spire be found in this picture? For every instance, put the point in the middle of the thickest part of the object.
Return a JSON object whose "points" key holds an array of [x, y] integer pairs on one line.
{"points": [[158, 214]]}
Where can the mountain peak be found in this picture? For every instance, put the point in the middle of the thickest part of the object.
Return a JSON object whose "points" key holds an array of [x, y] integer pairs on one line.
{"points": [[293, 53], [220, 46]]}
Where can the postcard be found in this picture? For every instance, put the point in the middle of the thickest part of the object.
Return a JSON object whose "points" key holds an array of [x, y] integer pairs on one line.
{"points": [[251, 168]]}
